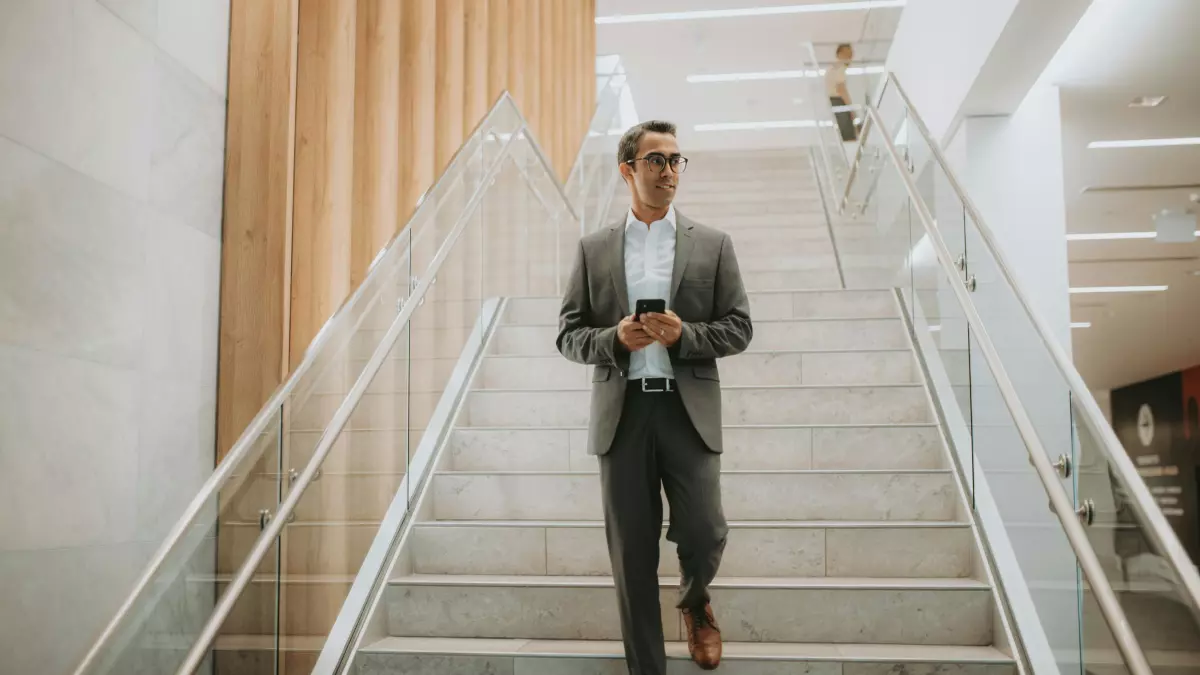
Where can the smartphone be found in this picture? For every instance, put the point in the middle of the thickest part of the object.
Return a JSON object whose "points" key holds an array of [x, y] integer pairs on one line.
{"points": [[657, 306]]}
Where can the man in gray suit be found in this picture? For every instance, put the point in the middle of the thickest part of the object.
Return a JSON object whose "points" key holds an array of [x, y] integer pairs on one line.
{"points": [[656, 394]]}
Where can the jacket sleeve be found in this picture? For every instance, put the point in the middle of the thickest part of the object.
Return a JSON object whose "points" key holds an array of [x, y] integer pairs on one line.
{"points": [[578, 339], [731, 331]]}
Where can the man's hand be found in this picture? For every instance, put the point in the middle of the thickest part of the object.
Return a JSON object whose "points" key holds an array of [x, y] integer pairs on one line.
{"points": [[665, 328], [633, 335]]}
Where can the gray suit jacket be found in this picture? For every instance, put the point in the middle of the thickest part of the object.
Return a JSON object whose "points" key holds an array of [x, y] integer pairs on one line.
{"points": [[707, 294]]}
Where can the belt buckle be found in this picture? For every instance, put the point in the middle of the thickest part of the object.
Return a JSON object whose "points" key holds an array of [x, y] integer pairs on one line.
{"points": [[666, 386]]}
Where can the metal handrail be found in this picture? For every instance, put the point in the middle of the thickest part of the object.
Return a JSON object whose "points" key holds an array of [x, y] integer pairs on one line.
{"points": [[346, 632], [246, 442], [1161, 533], [1064, 508], [341, 417]]}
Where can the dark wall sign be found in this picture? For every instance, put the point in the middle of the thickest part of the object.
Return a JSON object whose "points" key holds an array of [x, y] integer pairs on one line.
{"points": [[1158, 422]]}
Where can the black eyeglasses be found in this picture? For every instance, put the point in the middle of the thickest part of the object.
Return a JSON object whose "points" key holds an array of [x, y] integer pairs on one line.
{"points": [[659, 162]]}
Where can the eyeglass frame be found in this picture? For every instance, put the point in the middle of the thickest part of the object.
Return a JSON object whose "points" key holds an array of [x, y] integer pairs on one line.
{"points": [[669, 162]]}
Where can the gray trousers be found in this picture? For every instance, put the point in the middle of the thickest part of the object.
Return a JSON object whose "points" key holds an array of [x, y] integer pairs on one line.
{"points": [[658, 449]]}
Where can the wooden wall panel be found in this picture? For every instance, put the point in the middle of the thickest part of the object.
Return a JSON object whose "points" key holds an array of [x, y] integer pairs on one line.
{"points": [[324, 166], [544, 127], [257, 211], [518, 51], [589, 59], [449, 93], [476, 50], [340, 114], [536, 38], [376, 133], [418, 110], [499, 13]]}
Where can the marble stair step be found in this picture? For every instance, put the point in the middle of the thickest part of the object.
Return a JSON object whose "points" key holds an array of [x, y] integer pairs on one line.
{"points": [[764, 305], [791, 243], [828, 278], [806, 404], [749, 609], [746, 448], [797, 172], [755, 549], [450, 656], [812, 260], [752, 234], [730, 204], [926, 495], [768, 368], [826, 334]]}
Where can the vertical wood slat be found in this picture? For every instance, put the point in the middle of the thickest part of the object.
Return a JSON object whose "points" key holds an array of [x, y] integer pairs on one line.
{"points": [[564, 76], [476, 55], [376, 136], [575, 95], [532, 105], [324, 166], [547, 114], [449, 94], [418, 110], [499, 13], [260, 151], [518, 52], [589, 62]]}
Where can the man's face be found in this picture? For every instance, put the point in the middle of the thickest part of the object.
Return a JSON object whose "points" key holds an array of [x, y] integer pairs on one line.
{"points": [[845, 54], [653, 187]]}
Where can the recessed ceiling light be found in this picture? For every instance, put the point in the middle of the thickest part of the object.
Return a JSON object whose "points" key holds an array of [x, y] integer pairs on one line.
{"points": [[1111, 236], [1147, 101], [1143, 143], [757, 126], [852, 6], [1118, 289], [1081, 324], [778, 75]]}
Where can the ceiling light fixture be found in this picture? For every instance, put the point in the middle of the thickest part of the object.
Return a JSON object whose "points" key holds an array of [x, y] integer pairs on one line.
{"points": [[1113, 236], [1147, 101], [854, 5], [1117, 289], [1143, 143], [1081, 324], [758, 126], [778, 75]]}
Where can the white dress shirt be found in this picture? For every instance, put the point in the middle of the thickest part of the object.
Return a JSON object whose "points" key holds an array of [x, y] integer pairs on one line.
{"points": [[649, 262], [835, 75]]}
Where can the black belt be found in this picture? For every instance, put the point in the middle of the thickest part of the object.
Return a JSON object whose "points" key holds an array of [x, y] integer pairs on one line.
{"points": [[654, 385]]}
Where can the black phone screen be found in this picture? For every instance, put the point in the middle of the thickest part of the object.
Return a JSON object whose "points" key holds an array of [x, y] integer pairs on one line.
{"points": [[649, 305]]}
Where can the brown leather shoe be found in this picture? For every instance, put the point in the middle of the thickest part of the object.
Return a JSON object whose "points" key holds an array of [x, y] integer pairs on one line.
{"points": [[704, 636]]}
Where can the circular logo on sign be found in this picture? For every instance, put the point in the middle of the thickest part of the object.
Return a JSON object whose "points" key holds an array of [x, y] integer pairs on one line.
{"points": [[1145, 425]]}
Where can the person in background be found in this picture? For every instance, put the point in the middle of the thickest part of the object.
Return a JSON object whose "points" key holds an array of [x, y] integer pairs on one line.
{"points": [[839, 95]]}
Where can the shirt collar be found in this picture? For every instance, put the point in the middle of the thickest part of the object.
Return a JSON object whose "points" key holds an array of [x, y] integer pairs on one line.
{"points": [[630, 219]]}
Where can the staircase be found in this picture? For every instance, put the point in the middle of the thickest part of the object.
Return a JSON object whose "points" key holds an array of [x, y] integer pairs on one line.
{"points": [[850, 548]]}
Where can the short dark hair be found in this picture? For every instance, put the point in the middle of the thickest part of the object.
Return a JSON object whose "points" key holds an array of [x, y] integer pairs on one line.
{"points": [[844, 45], [632, 139]]}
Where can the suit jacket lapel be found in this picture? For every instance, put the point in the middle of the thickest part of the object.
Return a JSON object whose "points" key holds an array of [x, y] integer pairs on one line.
{"points": [[684, 243], [616, 265]]}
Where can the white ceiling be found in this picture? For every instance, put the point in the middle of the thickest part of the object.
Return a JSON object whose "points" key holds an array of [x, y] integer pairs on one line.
{"points": [[659, 56], [1122, 49]]}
